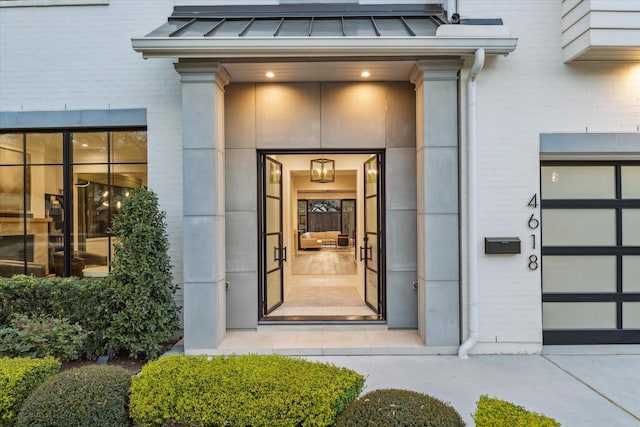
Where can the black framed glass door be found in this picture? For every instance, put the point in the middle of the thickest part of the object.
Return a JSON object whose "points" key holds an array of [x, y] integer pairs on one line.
{"points": [[371, 250], [274, 253]]}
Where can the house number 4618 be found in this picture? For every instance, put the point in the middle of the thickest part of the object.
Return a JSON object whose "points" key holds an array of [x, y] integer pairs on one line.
{"points": [[533, 223]]}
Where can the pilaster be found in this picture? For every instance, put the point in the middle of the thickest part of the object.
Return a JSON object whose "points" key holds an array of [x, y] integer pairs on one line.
{"points": [[437, 148], [203, 204]]}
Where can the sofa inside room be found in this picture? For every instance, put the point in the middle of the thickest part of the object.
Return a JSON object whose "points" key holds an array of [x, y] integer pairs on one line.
{"points": [[318, 239]]}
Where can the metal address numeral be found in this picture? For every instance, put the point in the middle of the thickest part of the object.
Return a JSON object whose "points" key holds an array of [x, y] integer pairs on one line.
{"points": [[533, 223]]}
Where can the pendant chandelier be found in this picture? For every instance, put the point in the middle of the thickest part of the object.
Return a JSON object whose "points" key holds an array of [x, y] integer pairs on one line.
{"points": [[322, 170]]}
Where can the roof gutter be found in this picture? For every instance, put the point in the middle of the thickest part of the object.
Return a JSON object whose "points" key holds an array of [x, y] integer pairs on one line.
{"points": [[322, 47], [472, 208]]}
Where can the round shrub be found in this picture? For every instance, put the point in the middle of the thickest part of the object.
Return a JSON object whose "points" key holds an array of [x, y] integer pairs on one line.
{"points": [[91, 396], [398, 408]]}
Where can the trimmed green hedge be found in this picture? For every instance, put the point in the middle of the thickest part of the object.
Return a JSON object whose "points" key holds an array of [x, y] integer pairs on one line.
{"points": [[90, 396], [81, 301], [18, 377], [249, 390], [399, 408], [112, 314], [492, 412]]}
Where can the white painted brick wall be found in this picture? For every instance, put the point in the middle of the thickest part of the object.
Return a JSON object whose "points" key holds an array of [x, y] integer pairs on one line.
{"points": [[81, 58], [519, 97], [57, 58]]}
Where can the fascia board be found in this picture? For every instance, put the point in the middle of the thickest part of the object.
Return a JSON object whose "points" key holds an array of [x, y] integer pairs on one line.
{"points": [[305, 47]]}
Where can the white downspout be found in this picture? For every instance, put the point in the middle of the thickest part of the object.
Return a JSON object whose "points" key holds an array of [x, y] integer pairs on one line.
{"points": [[451, 8], [472, 208]]}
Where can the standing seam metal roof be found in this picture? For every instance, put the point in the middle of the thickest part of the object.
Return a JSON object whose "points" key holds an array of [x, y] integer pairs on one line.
{"points": [[300, 20]]}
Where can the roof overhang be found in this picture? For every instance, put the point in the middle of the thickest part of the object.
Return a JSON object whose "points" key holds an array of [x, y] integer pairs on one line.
{"points": [[320, 47], [315, 32]]}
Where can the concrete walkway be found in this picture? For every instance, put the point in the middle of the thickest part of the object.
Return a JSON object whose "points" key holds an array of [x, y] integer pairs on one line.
{"points": [[579, 386], [599, 389]]}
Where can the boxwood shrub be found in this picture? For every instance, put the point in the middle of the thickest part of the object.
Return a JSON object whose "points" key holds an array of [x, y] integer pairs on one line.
{"points": [[399, 408], [18, 377], [249, 390], [90, 396], [492, 412]]}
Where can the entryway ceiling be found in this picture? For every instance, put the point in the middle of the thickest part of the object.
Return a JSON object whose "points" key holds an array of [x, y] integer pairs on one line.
{"points": [[320, 71]]}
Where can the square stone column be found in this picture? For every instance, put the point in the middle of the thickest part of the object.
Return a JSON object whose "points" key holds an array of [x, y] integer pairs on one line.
{"points": [[436, 83], [203, 204]]}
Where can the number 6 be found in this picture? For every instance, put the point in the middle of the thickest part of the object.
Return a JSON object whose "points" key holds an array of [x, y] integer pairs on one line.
{"points": [[533, 223]]}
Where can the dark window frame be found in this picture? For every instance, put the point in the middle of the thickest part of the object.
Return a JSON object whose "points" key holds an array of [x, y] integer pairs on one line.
{"points": [[67, 166]]}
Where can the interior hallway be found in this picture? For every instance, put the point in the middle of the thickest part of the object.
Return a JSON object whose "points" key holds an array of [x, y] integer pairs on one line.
{"points": [[323, 282]]}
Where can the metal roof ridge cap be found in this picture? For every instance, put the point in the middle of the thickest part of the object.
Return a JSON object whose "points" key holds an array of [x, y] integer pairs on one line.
{"points": [[313, 7]]}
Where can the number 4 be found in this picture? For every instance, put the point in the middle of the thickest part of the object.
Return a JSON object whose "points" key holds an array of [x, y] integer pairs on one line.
{"points": [[534, 201]]}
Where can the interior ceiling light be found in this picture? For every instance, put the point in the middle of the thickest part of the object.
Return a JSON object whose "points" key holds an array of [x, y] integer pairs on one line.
{"points": [[270, 74], [322, 170], [365, 74]]}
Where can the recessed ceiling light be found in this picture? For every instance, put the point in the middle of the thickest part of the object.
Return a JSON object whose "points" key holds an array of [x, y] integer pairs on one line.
{"points": [[270, 74], [365, 74], [84, 145]]}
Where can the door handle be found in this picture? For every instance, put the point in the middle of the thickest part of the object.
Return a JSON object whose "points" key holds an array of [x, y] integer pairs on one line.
{"points": [[367, 253], [278, 254]]}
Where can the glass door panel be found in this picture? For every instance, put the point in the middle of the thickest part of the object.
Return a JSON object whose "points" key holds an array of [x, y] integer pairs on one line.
{"points": [[274, 290], [274, 254], [369, 252]]}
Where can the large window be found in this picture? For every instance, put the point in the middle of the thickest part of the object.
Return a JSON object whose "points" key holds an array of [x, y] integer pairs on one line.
{"points": [[58, 193]]}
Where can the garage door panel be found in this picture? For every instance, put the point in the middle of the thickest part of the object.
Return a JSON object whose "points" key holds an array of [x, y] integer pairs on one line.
{"points": [[570, 182], [578, 315], [579, 227], [631, 273], [630, 182], [631, 227], [631, 315], [568, 274]]}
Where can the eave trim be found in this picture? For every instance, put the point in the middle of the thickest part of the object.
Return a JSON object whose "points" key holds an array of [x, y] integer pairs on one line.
{"points": [[319, 47]]}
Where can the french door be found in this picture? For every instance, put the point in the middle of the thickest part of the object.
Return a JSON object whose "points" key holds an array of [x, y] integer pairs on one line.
{"points": [[273, 252], [371, 251]]}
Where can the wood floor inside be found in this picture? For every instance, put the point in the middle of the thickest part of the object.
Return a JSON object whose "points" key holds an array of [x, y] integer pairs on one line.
{"points": [[323, 284]]}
